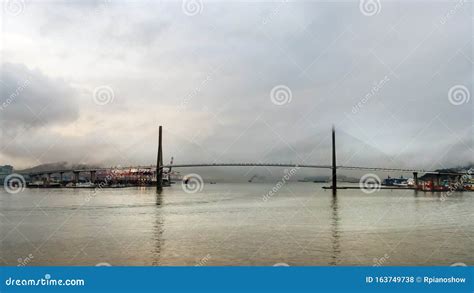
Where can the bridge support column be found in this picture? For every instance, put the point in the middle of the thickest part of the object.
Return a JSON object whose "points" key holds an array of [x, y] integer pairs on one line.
{"points": [[415, 177], [76, 177], [159, 161], [93, 176], [61, 177], [334, 172]]}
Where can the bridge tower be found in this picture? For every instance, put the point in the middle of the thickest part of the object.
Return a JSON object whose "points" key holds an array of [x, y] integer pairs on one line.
{"points": [[159, 161]]}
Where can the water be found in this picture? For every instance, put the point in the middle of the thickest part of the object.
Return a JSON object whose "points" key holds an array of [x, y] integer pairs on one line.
{"points": [[231, 224]]}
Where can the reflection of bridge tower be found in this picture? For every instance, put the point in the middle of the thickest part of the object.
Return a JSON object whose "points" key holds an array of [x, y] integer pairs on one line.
{"points": [[334, 172], [335, 233]]}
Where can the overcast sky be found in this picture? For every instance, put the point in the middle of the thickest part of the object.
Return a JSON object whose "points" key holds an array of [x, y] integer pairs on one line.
{"points": [[89, 82]]}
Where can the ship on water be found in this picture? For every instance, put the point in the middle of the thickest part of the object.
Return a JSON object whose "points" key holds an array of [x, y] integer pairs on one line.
{"points": [[402, 182]]}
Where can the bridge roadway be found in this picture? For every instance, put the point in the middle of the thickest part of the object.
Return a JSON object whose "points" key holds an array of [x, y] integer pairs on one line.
{"points": [[284, 165]]}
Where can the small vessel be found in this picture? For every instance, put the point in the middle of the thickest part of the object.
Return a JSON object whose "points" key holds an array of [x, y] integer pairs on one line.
{"points": [[400, 182], [35, 184], [84, 185], [42, 184]]}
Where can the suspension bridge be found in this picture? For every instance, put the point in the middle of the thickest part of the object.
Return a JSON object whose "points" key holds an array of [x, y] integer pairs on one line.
{"points": [[157, 170]]}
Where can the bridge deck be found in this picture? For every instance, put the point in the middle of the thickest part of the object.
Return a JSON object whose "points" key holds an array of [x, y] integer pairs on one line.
{"points": [[284, 165]]}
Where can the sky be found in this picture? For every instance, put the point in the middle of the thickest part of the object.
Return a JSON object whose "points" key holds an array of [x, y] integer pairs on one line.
{"points": [[90, 81]]}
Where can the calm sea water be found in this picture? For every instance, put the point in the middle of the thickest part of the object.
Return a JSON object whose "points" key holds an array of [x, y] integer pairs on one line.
{"points": [[231, 224]]}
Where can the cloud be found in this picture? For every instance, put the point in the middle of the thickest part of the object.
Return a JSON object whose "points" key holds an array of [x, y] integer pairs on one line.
{"points": [[30, 99], [208, 79], [30, 104]]}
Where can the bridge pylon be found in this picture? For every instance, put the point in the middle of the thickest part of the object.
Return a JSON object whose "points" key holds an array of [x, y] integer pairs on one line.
{"points": [[159, 161]]}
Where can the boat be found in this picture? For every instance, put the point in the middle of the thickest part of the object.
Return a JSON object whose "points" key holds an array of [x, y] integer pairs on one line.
{"points": [[35, 184], [400, 182], [41, 184], [84, 185]]}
